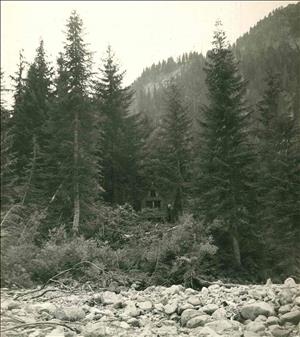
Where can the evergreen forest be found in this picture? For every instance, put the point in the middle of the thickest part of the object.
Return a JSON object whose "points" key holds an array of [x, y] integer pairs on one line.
{"points": [[190, 174]]}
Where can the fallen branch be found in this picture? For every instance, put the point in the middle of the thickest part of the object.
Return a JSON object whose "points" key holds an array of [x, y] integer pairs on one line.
{"points": [[57, 275], [29, 325]]}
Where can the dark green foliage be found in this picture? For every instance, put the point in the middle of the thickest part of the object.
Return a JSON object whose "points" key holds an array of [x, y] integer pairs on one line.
{"points": [[222, 166], [74, 175], [169, 164], [278, 178], [121, 138]]}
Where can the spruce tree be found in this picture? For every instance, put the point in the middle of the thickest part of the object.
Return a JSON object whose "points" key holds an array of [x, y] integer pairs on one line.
{"points": [[113, 101], [72, 132], [278, 176], [8, 188], [222, 167], [173, 166]]}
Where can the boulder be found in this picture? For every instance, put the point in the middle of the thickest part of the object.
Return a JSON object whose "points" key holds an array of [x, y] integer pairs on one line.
{"points": [[204, 332], [255, 326], [146, 305], [71, 314], [284, 309], [188, 314], [251, 311], [220, 313], [272, 320], [290, 317], [209, 308], [223, 325], [170, 308], [278, 331], [194, 300], [131, 309], [197, 321], [109, 297], [290, 282]]}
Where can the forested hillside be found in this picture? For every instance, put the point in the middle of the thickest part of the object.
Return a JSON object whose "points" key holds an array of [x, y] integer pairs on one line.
{"points": [[273, 44], [191, 174]]}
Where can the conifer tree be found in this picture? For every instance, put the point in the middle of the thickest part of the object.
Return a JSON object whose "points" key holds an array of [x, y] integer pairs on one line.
{"points": [[8, 192], [278, 176], [174, 150], [72, 163], [222, 167], [113, 101]]}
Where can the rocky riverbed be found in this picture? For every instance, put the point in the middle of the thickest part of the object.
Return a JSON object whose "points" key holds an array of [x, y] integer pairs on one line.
{"points": [[217, 311]]}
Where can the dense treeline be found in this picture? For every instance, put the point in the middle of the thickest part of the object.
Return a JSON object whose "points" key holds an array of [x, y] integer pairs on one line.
{"points": [[77, 165]]}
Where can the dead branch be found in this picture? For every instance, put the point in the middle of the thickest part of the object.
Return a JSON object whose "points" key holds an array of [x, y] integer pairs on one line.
{"points": [[29, 325]]}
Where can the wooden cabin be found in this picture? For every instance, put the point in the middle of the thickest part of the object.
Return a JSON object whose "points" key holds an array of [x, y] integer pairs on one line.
{"points": [[155, 206]]}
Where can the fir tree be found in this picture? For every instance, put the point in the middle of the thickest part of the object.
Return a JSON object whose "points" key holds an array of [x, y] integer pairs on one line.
{"points": [[113, 102], [72, 159], [278, 183], [174, 150], [222, 179]]}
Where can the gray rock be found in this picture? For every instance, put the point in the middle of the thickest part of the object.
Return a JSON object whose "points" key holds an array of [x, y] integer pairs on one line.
{"points": [[209, 308], [187, 315], [204, 291], [146, 306], [291, 317], [71, 314], [134, 322], [197, 321], [108, 297], [251, 334], [194, 300], [290, 282], [251, 311], [131, 309], [170, 308], [219, 314], [204, 332], [284, 309], [272, 320], [255, 326], [285, 296], [223, 325], [278, 331], [297, 301]]}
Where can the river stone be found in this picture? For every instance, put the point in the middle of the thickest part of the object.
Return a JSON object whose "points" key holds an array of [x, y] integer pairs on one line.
{"points": [[146, 305], [297, 301], [251, 311], [222, 325], [170, 308], [272, 320], [57, 332], [278, 331], [219, 314], [284, 309], [188, 314], [194, 300], [71, 314], [285, 296], [255, 326], [248, 333], [290, 282], [209, 308], [204, 332], [108, 297], [134, 322], [291, 317], [197, 321], [204, 291], [131, 309]]}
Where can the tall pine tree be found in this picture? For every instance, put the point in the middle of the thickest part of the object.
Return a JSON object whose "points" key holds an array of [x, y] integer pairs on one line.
{"points": [[118, 158], [222, 179], [72, 154]]}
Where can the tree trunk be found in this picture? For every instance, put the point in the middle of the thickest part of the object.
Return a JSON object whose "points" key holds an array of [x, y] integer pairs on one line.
{"points": [[75, 181], [236, 249], [32, 169]]}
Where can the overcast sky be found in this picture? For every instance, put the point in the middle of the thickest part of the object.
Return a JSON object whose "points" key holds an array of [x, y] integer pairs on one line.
{"points": [[140, 32]]}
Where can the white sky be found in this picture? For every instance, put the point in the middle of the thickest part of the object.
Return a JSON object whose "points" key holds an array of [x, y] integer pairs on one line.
{"points": [[140, 32]]}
